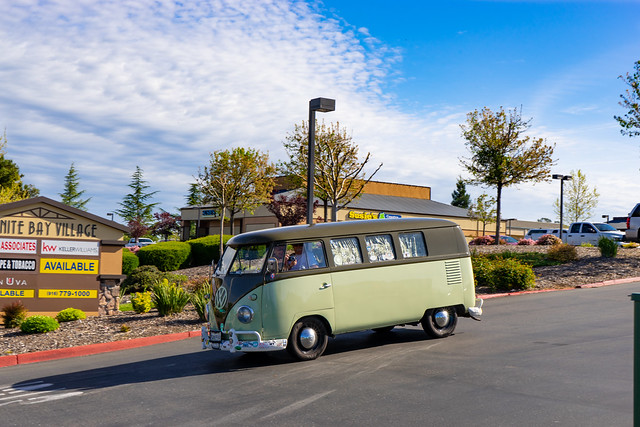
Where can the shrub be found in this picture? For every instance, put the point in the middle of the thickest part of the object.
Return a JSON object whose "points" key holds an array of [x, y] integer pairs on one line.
{"points": [[199, 300], [70, 314], [502, 274], [169, 298], [508, 274], [166, 256], [526, 242], [482, 240], [206, 249], [548, 239], [39, 324], [481, 270], [608, 247], [143, 278], [562, 253], [129, 262], [14, 314], [141, 302]]}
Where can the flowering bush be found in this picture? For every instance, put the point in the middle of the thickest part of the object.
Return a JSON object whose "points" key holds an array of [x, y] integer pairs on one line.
{"points": [[483, 240], [526, 242], [548, 240]]}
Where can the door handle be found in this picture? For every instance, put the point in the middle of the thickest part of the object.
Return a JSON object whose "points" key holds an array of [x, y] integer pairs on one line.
{"points": [[325, 285]]}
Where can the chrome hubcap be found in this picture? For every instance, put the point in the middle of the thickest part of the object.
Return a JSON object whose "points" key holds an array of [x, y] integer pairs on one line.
{"points": [[441, 318], [308, 338]]}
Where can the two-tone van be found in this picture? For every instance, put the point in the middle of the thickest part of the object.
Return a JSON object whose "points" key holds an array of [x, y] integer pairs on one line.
{"points": [[293, 287]]}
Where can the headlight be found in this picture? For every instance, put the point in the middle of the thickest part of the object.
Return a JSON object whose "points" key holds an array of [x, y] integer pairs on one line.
{"points": [[245, 314]]}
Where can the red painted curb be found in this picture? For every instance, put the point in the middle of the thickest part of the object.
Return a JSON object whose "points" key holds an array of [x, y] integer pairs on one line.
{"points": [[86, 350]]}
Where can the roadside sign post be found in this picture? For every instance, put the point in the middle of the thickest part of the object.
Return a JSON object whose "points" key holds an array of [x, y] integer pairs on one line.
{"points": [[635, 297]]}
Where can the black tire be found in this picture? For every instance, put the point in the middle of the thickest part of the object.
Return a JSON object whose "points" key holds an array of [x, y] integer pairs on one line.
{"points": [[383, 330], [439, 322], [308, 339]]}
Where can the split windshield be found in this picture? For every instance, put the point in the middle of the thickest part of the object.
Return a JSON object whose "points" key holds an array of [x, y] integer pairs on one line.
{"points": [[248, 259]]}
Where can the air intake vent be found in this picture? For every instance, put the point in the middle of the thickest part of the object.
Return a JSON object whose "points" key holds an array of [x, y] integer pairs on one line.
{"points": [[454, 272]]}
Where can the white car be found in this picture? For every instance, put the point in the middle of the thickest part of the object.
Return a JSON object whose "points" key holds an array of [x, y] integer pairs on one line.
{"points": [[140, 242], [633, 224], [591, 232]]}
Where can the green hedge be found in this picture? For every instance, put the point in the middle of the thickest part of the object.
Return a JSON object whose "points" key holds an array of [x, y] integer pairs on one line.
{"points": [[502, 274], [130, 261], [206, 249], [167, 256]]}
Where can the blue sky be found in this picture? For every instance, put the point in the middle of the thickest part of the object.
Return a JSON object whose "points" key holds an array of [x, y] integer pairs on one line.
{"points": [[111, 85]]}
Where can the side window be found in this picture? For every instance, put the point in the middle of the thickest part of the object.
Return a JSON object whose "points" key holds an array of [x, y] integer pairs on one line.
{"points": [[636, 211], [575, 228], [412, 245], [380, 248], [346, 251], [588, 228], [303, 256]]}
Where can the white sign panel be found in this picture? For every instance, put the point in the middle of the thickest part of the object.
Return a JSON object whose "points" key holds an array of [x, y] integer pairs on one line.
{"points": [[18, 246], [69, 247]]}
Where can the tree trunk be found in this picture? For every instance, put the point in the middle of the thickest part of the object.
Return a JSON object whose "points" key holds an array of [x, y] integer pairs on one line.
{"points": [[221, 231]]}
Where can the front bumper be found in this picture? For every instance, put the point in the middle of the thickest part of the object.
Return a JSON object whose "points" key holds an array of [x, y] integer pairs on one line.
{"points": [[215, 341]]}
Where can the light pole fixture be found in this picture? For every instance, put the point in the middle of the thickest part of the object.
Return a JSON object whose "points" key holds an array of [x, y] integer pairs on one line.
{"points": [[324, 105], [110, 214], [562, 179], [606, 218]]}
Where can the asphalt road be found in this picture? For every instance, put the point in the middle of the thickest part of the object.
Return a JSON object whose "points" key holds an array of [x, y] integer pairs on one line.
{"points": [[559, 358]]}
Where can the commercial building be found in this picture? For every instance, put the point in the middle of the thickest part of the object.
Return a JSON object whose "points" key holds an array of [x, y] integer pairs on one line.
{"points": [[378, 200]]}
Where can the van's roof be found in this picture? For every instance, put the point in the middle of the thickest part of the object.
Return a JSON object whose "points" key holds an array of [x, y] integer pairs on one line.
{"points": [[333, 229]]}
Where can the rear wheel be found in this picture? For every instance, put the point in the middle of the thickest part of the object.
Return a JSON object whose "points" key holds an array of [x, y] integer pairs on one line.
{"points": [[308, 339], [439, 322]]}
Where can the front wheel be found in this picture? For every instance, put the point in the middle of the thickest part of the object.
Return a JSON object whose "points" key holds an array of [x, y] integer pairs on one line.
{"points": [[308, 339], [439, 322]]}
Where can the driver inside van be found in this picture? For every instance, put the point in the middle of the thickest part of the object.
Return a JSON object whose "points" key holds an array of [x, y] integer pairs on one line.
{"points": [[298, 260]]}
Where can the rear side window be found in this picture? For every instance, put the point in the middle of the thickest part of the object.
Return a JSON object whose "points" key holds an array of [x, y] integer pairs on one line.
{"points": [[380, 248], [412, 245], [346, 251], [575, 228]]}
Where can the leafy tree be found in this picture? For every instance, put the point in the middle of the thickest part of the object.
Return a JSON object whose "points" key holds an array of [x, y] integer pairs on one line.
{"points": [[579, 200], [460, 197], [195, 196], [483, 210], [137, 228], [166, 224], [339, 175], [630, 122], [12, 188], [71, 195], [289, 210], [501, 156], [135, 205], [236, 180], [544, 219]]}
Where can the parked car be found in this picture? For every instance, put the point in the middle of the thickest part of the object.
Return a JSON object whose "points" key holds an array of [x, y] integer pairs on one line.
{"points": [[591, 232], [536, 233], [633, 224], [507, 239], [140, 242]]}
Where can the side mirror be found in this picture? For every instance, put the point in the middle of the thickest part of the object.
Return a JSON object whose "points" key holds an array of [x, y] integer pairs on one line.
{"points": [[272, 265]]}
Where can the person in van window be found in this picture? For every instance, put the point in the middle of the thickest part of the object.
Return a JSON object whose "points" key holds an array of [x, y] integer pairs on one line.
{"points": [[279, 253], [298, 260]]}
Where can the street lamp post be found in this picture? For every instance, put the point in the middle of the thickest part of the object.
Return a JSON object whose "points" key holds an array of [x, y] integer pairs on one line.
{"points": [[606, 218], [110, 214], [324, 105], [562, 179]]}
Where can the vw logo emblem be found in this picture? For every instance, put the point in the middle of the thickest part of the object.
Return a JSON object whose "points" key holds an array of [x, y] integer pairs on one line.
{"points": [[221, 298]]}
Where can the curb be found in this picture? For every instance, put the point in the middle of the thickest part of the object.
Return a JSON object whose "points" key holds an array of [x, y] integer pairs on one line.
{"points": [[587, 286], [86, 350]]}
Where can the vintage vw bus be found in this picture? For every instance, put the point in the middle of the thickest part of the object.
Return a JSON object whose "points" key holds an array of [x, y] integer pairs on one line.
{"points": [[293, 287]]}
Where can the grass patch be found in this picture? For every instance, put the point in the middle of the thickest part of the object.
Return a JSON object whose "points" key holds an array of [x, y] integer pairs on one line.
{"points": [[127, 306]]}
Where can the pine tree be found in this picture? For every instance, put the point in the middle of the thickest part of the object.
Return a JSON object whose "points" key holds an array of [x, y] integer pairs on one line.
{"points": [[135, 206], [460, 197], [71, 195]]}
